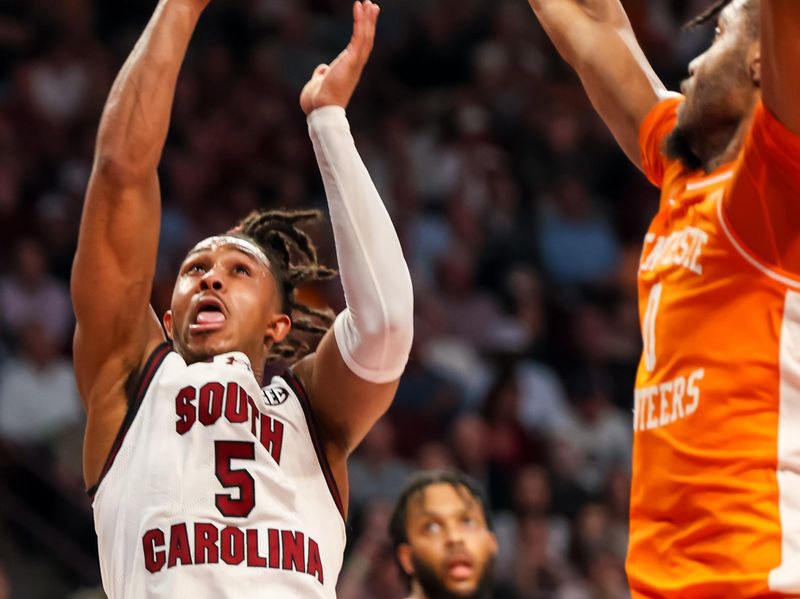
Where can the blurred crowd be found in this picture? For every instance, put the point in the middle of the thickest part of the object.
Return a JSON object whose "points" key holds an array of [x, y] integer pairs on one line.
{"points": [[520, 218]]}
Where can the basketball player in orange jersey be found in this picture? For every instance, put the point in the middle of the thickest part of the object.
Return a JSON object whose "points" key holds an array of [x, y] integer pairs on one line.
{"points": [[441, 531], [206, 483], [715, 501]]}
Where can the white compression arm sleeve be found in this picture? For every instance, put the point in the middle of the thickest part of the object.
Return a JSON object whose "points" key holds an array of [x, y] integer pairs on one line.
{"points": [[375, 331]]}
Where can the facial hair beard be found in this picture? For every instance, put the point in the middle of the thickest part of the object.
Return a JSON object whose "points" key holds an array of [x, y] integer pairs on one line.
{"points": [[677, 147], [435, 588]]}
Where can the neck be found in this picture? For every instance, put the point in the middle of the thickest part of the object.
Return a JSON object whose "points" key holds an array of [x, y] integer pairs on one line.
{"points": [[257, 359], [722, 146], [416, 591], [257, 362]]}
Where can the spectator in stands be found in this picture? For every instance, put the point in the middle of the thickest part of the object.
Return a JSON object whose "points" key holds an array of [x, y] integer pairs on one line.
{"points": [[441, 532], [38, 399], [32, 296], [375, 471]]}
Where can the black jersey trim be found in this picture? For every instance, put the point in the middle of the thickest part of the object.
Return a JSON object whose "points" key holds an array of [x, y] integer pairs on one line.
{"points": [[145, 378], [316, 439]]}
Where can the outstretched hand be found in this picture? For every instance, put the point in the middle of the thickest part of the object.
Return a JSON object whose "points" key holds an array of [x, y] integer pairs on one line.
{"points": [[334, 84]]}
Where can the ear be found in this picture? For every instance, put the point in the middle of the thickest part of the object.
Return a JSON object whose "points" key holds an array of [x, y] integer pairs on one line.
{"points": [[754, 63], [493, 542], [404, 557], [168, 322], [277, 329]]}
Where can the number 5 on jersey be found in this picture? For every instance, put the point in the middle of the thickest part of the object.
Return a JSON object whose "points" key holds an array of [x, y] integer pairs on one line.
{"points": [[230, 478]]}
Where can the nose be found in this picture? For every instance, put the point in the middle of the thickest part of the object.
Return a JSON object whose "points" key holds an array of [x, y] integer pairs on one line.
{"points": [[693, 66], [211, 280], [454, 535]]}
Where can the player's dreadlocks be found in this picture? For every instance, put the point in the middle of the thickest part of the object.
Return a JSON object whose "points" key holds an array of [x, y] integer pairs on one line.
{"points": [[293, 260]]}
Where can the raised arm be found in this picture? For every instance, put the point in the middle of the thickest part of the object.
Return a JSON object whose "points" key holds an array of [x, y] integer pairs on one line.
{"points": [[116, 256], [353, 376], [780, 52], [595, 37]]}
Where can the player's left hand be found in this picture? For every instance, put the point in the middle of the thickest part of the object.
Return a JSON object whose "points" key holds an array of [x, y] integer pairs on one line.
{"points": [[334, 85]]}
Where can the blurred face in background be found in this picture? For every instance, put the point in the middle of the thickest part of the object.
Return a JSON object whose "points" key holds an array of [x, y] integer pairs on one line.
{"points": [[450, 548]]}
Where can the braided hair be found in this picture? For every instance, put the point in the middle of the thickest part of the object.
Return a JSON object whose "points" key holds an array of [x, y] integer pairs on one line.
{"points": [[293, 262]]}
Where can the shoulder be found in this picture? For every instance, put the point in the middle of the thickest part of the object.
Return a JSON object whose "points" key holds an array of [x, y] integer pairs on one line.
{"points": [[286, 385], [771, 140], [300, 373], [654, 129]]}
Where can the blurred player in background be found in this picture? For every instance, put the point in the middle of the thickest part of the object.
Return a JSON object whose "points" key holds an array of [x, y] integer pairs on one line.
{"points": [[716, 468], [441, 531], [205, 483]]}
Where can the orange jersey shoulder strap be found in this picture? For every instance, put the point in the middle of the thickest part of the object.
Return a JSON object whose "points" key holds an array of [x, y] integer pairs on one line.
{"points": [[654, 129]]}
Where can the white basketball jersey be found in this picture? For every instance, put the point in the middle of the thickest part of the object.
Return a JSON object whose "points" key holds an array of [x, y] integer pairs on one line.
{"points": [[217, 488]]}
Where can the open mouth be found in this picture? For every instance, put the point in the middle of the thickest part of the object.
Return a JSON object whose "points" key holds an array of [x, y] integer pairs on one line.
{"points": [[209, 316], [460, 568]]}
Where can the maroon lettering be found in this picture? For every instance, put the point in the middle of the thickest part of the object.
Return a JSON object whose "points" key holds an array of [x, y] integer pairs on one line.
{"points": [[253, 559], [186, 411], [274, 548], [179, 549], [232, 545], [205, 543], [314, 566], [272, 436], [293, 545], [236, 404], [255, 413], [210, 408], [235, 478], [152, 540]]}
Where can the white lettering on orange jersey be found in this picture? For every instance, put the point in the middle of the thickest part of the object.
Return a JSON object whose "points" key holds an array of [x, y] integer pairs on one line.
{"points": [[680, 248], [664, 403]]}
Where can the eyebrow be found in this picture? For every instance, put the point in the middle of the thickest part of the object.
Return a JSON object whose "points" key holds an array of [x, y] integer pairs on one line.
{"points": [[428, 514], [467, 509]]}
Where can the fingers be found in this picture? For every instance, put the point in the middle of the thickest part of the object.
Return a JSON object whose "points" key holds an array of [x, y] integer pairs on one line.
{"points": [[365, 18]]}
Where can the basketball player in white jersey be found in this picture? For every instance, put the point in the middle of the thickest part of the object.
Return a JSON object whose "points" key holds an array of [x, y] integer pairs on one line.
{"points": [[206, 484]]}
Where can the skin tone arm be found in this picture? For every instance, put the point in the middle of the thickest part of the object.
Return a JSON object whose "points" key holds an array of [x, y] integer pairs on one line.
{"points": [[348, 408], [116, 256], [595, 37], [780, 50]]}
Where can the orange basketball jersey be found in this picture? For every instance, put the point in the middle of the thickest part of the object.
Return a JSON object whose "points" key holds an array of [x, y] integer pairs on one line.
{"points": [[715, 498]]}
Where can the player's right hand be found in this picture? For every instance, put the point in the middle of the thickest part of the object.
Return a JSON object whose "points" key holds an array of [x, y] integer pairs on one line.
{"points": [[334, 85]]}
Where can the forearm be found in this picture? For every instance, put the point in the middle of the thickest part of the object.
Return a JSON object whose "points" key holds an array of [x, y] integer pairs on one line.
{"points": [[574, 25], [374, 333], [135, 121], [780, 50], [116, 254], [596, 38]]}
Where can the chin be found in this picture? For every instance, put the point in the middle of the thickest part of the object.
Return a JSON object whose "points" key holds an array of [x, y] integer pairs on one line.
{"points": [[463, 588], [203, 347]]}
